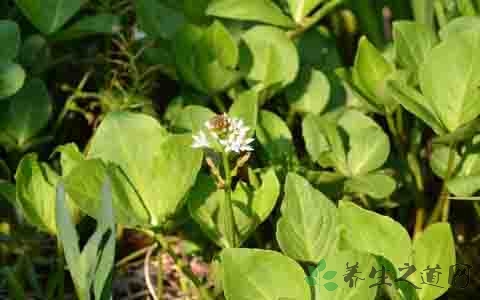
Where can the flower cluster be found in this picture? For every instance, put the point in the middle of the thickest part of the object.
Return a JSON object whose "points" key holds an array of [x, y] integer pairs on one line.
{"points": [[224, 132]]}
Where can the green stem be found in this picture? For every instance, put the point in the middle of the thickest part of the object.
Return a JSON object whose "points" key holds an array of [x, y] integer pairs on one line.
{"points": [[396, 136], [400, 125], [416, 171], [219, 103], [317, 16], [132, 256], [228, 215], [15, 289], [61, 272], [442, 208], [423, 12], [440, 13]]}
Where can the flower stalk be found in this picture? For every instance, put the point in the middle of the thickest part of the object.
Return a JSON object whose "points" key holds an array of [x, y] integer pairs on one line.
{"points": [[228, 215], [228, 137]]}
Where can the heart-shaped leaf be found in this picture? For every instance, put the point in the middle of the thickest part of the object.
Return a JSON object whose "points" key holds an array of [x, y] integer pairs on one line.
{"points": [[152, 160]]}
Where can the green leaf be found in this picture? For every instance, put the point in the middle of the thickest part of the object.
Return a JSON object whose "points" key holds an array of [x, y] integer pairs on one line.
{"points": [[434, 246], [368, 143], [90, 25], [417, 104], [35, 53], [412, 42], [28, 112], [464, 186], [158, 19], [460, 135], [335, 138], [251, 206], [69, 237], [207, 58], [244, 276], [275, 138], [301, 8], [370, 74], [92, 266], [192, 118], [216, 59], [70, 157], [315, 140], [265, 11], [306, 230], [12, 77], [459, 26], [269, 62], [49, 15], [84, 185], [245, 107], [10, 39], [184, 47], [151, 160], [224, 47], [369, 232], [338, 287], [377, 186], [317, 48], [439, 160], [452, 71], [310, 93], [36, 193], [466, 167]]}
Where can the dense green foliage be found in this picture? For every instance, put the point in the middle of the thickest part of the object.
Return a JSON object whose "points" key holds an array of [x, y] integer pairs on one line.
{"points": [[284, 140]]}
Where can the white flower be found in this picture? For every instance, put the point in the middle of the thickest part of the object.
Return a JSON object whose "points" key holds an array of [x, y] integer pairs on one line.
{"points": [[138, 34], [200, 140], [230, 133]]}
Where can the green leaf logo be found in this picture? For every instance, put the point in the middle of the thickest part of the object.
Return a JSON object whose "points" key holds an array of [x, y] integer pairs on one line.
{"points": [[314, 274]]}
